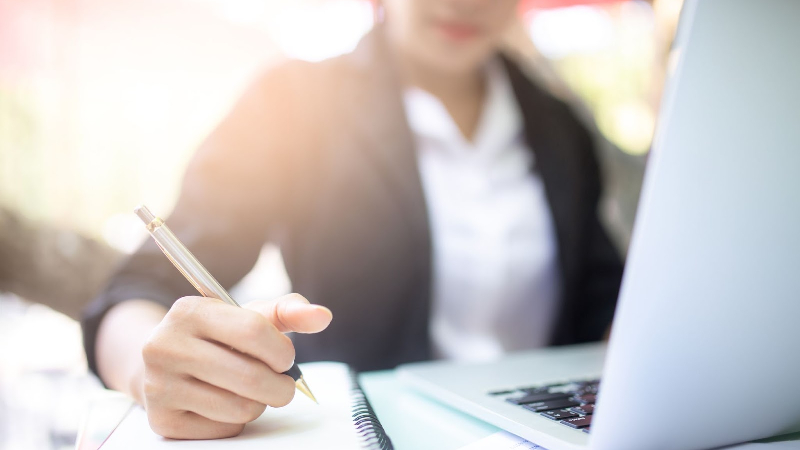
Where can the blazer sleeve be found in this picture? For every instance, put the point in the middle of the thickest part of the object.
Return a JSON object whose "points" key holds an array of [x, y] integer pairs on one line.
{"points": [[233, 193]]}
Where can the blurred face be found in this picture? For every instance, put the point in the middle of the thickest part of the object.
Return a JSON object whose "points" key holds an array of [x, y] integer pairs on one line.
{"points": [[448, 35]]}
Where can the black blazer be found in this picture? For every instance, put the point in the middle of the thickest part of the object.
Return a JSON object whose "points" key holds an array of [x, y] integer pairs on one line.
{"points": [[319, 159]]}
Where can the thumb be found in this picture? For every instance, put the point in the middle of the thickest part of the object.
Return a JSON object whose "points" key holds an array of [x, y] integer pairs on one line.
{"points": [[293, 313]]}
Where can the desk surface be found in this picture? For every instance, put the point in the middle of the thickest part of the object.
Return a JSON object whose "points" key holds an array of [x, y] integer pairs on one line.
{"points": [[413, 421]]}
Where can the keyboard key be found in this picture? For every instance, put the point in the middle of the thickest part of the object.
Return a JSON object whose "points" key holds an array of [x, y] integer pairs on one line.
{"points": [[566, 388], [586, 430], [590, 389], [551, 405], [578, 422], [535, 389], [533, 398], [558, 414], [585, 398], [583, 410]]}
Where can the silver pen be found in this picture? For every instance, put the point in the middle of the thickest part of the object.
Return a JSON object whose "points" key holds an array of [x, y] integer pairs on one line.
{"points": [[198, 276]]}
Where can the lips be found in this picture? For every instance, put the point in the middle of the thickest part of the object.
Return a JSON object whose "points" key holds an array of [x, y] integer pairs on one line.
{"points": [[458, 32]]}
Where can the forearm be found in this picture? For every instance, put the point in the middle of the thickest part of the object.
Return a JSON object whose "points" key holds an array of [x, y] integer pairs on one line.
{"points": [[120, 339]]}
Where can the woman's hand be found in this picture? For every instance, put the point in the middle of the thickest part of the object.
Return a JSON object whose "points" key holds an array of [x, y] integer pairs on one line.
{"points": [[210, 368]]}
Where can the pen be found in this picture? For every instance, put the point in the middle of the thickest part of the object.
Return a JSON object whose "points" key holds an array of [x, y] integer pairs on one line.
{"points": [[199, 277]]}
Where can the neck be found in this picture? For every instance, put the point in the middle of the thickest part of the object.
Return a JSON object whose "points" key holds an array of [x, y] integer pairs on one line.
{"points": [[441, 83], [462, 93]]}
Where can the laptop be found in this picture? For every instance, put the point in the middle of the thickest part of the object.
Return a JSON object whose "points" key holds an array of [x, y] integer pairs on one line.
{"points": [[704, 347]]}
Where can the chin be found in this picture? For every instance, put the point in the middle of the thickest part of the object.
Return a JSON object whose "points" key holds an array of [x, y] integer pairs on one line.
{"points": [[458, 62], [456, 57]]}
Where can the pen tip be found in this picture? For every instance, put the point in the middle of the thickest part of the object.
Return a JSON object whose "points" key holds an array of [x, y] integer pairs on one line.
{"points": [[303, 387]]}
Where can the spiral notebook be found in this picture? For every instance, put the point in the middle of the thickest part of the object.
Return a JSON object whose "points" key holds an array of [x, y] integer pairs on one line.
{"points": [[343, 420]]}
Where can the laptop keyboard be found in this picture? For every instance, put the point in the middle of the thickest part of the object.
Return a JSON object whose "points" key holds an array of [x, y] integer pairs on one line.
{"points": [[570, 404]]}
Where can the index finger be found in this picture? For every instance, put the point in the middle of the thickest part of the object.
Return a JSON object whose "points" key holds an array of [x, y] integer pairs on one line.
{"points": [[244, 330]]}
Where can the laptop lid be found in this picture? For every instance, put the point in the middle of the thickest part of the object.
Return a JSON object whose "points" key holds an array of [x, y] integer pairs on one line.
{"points": [[704, 346]]}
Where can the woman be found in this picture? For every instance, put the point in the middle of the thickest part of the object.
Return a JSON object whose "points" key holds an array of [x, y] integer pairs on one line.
{"points": [[421, 188]]}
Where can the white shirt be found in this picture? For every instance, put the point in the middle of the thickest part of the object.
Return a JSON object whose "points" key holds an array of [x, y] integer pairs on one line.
{"points": [[495, 269]]}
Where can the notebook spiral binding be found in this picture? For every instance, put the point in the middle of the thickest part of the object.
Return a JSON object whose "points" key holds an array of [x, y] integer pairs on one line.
{"points": [[369, 428]]}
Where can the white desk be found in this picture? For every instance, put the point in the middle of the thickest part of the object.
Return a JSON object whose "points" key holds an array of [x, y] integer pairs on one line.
{"points": [[415, 422]]}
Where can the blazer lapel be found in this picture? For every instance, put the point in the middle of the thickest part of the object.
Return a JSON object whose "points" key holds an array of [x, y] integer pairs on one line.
{"points": [[551, 163], [375, 107]]}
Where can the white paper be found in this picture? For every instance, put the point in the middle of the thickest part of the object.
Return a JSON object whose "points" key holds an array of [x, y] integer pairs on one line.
{"points": [[300, 425], [502, 440]]}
